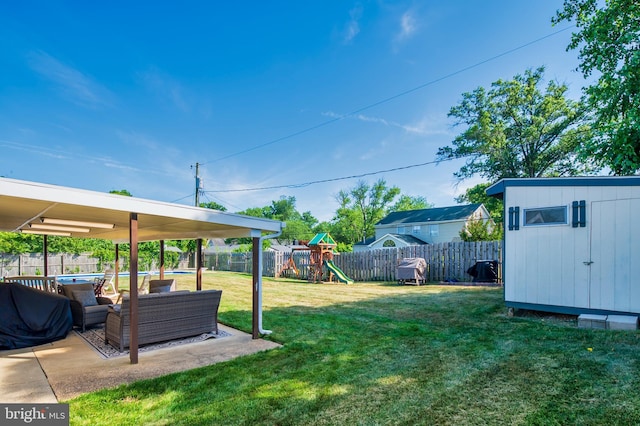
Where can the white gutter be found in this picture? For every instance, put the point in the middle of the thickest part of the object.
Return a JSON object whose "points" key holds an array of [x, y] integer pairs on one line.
{"points": [[259, 284]]}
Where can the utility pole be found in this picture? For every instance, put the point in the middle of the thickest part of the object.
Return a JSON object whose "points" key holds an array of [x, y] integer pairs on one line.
{"points": [[199, 253], [197, 184]]}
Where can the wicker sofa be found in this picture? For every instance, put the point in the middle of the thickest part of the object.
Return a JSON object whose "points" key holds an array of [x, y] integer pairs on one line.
{"points": [[164, 316]]}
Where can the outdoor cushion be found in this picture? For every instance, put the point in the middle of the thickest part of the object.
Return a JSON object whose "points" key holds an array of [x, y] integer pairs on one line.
{"points": [[85, 297], [68, 289], [154, 285], [160, 289]]}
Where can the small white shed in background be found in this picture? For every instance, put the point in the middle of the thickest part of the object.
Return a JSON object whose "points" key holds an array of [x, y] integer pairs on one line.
{"points": [[571, 244]]}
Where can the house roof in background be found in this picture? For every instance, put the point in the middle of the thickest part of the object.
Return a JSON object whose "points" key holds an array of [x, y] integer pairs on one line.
{"points": [[438, 214], [409, 239], [366, 242], [25, 203]]}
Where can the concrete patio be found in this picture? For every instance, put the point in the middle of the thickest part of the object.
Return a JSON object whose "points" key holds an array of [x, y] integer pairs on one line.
{"points": [[67, 368]]}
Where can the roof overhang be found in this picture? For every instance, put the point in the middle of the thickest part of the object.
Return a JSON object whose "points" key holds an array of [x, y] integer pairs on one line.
{"points": [[24, 202], [498, 189]]}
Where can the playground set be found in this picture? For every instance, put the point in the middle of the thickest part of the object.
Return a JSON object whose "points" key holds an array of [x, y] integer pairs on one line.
{"points": [[321, 249]]}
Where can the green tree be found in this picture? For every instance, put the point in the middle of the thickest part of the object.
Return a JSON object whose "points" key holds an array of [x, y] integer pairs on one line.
{"points": [[360, 208], [121, 192], [608, 39], [407, 202], [15, 243], [284, 209], [298, 226], [257, 212], [213, 206], [477, 194], [481, 230], [516, 130]]}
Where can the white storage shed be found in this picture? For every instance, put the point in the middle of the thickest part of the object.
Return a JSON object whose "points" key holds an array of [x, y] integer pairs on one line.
{"points": [[570, 244]]}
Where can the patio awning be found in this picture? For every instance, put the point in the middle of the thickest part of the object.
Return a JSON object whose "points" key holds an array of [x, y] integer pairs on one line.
{"points": [[27, 206], [23, 203]]}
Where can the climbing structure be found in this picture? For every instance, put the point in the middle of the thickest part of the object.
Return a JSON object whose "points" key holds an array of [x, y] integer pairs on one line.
{"points": [[322, 246]]}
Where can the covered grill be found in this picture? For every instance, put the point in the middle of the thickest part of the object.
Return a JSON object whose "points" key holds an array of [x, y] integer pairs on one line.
{"points": [[411, 270]]}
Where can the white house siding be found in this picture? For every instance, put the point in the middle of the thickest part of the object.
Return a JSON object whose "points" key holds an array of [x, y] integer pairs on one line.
{"points": [[447, 231], [545, 265], [380, 243]]}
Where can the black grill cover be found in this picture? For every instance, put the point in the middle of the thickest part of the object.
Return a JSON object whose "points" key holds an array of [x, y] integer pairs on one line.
{"points": [[484, 271], [30, 317]]}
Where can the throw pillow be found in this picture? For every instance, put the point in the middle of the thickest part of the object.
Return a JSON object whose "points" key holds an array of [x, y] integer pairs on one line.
{"points": [[85, 297], [161, 289]]}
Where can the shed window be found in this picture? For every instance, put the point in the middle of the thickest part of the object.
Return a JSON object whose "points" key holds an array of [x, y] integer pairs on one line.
{"points": [[545, 216]]}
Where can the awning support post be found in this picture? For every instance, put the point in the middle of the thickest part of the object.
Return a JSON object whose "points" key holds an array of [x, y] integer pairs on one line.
{"points": [[133, 288]]}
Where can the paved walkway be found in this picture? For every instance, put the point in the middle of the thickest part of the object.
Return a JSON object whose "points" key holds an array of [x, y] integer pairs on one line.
{"points": [[70, 367]]}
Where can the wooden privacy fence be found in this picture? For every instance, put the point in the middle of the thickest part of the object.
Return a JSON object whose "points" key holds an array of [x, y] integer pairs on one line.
{"points": [[33, 264], [445, 261]]}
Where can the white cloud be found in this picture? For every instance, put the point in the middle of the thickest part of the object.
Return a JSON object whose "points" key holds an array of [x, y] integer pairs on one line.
{"points": [[138, 139], [352, 29], [426, 126], [74, 85], [166, 87], [429, 126], [33, 149], [60, 153], [408, 25]]}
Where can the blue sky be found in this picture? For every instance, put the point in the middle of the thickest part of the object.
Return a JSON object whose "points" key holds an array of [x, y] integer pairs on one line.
{"points": [[131, 95]]}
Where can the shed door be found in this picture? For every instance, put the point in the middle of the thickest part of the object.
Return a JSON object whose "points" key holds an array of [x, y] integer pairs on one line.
{"points": [[615, 249]]}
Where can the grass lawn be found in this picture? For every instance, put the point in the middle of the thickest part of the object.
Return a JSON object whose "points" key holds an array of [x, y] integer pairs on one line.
{"points": [[374, 354]]}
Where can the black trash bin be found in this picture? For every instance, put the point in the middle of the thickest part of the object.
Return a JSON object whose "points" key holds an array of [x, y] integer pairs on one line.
{"points": [[484, 271]]}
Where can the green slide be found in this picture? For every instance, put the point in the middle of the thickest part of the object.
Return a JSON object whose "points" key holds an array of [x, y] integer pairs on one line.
{"points": [[338, 272]]}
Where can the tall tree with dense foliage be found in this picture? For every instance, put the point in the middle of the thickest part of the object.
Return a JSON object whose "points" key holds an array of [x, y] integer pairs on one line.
{"points": [[517, 129], [608, 39], [360, 208], [407, 202], [478, 194], [121, 192], [483, 230], [299, 226], [213, 206], [480, 230]]}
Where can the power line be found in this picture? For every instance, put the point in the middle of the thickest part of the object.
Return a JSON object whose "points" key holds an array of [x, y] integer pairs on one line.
{"points": [[180, 199], [302, 185], [389, 99]]}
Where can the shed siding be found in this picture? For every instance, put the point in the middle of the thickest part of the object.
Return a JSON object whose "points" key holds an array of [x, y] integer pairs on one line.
{"points": [[615, 246], [549, 265], [541, 265]]}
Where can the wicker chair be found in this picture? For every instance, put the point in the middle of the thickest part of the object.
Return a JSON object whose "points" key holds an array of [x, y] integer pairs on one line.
{"points": [[85, 310]]}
